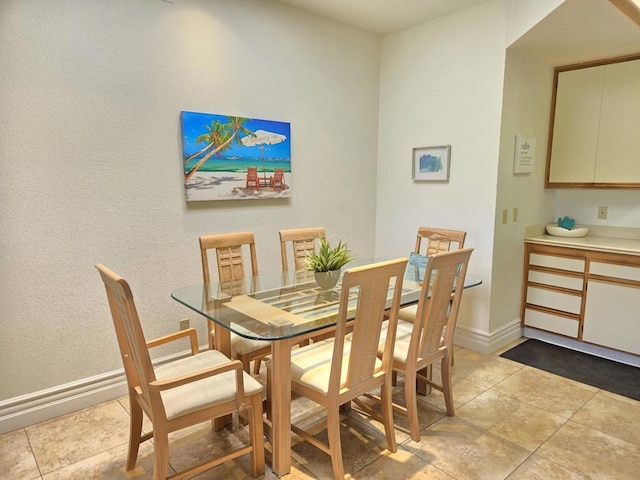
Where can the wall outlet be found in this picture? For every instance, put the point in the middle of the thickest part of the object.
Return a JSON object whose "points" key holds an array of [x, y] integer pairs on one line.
{"points": [[184, 324], [505, 215], [515, 214], [602, 213]]}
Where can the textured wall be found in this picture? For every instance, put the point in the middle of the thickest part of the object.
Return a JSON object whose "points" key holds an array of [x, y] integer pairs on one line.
{"points": [[90, 95], [442, 83]]}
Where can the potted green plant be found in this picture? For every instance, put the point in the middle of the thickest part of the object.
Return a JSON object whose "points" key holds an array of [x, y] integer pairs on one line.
{"points": [[326, 262]]}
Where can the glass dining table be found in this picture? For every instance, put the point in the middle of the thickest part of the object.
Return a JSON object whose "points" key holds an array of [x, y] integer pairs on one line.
{"points": [[284, 308]]}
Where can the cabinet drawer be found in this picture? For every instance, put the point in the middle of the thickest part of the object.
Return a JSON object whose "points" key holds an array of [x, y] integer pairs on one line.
{"points": [[561, 263], [563, 281], [551, 323], [556, 300], [614, 270]]}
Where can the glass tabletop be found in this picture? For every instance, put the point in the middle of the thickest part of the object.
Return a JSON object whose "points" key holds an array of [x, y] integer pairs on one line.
{"points": [[274, 306]]}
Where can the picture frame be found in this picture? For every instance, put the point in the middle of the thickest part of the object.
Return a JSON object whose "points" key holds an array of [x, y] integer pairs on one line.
{"points": [[227, 157], [431, 164]]}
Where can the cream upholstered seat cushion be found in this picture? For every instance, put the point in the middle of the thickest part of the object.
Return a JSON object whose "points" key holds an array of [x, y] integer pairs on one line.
{"points": [[408, 314], [203, 393], [403, 338], [311, 364], [241, 345]]}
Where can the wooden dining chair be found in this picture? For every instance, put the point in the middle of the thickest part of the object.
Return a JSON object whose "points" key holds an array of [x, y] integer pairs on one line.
{"points": [[437, 240], [229, 256], [434, 240], [335, 371], [181, 393], [253, 182], [429, 338], [301, 241]]}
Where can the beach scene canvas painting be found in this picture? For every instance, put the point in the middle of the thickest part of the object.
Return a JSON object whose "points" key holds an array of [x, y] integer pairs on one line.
{"points": [[235, 158]]}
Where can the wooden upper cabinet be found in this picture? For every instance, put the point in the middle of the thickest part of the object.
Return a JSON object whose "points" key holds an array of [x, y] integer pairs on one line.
{"points": [[575, 128], [618, 158], [594, 125]]}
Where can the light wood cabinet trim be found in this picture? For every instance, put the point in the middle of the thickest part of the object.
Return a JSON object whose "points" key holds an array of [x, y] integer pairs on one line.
{"points": [[615, 281], [551, 311], [629, 8], [558, 251], [555, 299], [556, 271], [563, 253], [556, 323], [553, 288]]}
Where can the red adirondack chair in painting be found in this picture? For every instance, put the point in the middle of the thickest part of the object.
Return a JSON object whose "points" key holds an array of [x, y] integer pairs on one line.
{"points": [[277, 180], [252, 178]]}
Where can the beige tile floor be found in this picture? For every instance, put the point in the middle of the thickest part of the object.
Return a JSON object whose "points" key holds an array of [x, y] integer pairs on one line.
{"points": [[512, 422]]}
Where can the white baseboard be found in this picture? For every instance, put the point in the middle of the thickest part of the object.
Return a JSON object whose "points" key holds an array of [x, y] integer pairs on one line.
{"points": [[19, 412], [487, 342]]}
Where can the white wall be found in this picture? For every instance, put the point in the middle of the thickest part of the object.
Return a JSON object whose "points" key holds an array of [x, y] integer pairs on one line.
{"points": [[623, 207], [526, 103], [91, 159], [441, 84]]}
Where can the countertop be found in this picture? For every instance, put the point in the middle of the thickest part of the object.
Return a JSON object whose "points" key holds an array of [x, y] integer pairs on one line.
{"points": [[627, 246]]}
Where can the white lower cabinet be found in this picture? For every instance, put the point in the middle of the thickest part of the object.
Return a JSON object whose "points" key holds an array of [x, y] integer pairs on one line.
{"points": [[612, 316], [586, 295]]}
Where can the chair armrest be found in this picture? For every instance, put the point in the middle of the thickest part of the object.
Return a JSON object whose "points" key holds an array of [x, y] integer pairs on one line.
{"points": [[173, 382], [188, 332]]}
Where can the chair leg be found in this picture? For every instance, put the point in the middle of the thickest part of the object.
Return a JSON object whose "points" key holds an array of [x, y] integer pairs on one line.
{"points": [[394, 378], [387, 416], [161, 454], [422, 387], [446, 384], [412, 404], [135, 431], [211, 335], [335, 447], [256, 433], [256, 366], [267, 403], [246, 362]]}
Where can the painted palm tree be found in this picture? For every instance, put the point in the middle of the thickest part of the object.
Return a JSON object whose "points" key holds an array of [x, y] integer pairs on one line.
{"points": [[215, 136], [233, 128]]}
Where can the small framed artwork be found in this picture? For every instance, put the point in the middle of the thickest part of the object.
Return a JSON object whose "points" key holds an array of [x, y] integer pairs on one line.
{"points": [[431, 164]]}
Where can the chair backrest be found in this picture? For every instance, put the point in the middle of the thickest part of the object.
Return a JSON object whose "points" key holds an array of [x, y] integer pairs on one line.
{"points": [[229, 257], [252, 178], [438, 307], [133, 346], [439, 240], [371, 285], [278, 175], [303, 240]]}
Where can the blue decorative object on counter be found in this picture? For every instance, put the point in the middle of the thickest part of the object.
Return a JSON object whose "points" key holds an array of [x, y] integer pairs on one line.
{"points": [[567, 222]]}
